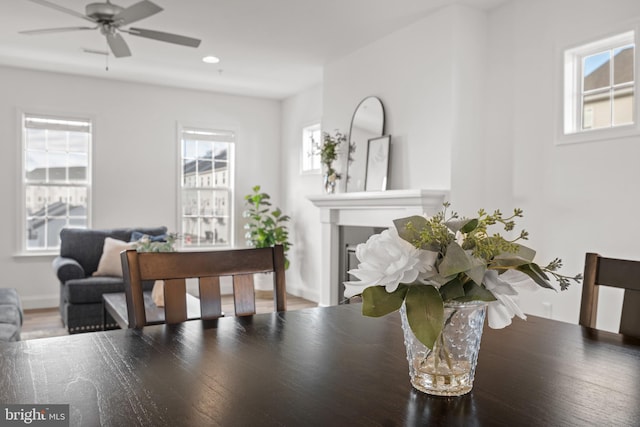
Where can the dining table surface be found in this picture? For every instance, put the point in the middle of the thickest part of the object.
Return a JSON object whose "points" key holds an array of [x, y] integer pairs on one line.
{"points": [[324, 366]]}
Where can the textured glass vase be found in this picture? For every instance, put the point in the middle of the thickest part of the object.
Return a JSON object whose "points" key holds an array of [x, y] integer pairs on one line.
{"points": [[448, 369], [329, 184]]}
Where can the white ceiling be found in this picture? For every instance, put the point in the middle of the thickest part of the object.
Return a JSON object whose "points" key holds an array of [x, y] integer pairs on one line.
{"points": [[268, 48]]}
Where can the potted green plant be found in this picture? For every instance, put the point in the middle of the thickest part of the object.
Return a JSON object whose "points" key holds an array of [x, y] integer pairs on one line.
{"points": [[266, 227]]}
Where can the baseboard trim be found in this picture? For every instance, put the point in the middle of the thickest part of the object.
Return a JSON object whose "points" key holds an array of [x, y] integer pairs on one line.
{"points": [[33, 302]]}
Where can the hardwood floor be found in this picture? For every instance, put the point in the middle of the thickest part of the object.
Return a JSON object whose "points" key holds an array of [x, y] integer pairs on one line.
{"points": [[46, 322]]}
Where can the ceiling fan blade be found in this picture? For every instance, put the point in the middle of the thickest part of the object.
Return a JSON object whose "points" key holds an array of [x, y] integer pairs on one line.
{"points": [[164, 37], [136, 12], [55, 30], [61, 9], [118, 45]]}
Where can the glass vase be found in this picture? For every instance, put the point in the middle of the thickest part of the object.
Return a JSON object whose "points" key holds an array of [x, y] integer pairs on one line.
{"points": [[448, 369], [329, 183]]}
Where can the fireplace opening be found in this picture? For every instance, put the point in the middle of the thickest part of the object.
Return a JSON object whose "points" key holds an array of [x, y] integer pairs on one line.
{"points": [[349, 238]]}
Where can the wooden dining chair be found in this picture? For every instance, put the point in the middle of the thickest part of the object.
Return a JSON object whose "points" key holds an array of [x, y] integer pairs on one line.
{"points": [[175, 267], [617, 273]]}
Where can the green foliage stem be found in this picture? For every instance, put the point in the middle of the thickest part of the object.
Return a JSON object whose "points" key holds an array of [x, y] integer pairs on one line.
{"points": [[265, 227]]}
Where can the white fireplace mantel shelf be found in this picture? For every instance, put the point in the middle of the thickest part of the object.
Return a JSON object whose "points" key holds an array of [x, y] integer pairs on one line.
{"points": [[369, 209], [392, 198]]}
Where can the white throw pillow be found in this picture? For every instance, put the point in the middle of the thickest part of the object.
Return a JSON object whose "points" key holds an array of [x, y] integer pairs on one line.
{"points": [[110, 264]]}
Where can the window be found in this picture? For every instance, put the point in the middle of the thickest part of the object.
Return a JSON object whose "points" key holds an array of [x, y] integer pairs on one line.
{"points": [[310, 158], [599, 83], [206, 163], [56, 178]]}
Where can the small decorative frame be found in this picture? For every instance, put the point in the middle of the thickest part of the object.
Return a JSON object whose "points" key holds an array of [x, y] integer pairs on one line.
{"points": [[377, 163]]}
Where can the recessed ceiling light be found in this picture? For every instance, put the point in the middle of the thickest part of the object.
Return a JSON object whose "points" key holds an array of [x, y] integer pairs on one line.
{"points": [[211, 59]]}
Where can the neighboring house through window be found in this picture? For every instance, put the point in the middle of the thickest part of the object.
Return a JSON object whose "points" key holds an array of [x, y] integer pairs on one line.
{"points": [[600, 82], [56, 178], [206, 164]]}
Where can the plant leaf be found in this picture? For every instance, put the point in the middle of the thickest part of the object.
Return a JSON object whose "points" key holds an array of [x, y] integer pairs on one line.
{"points": [[452, 290], [455, 261], [425, 313], [474, 292], [462, 225], [410, 233], [377, 302], [523, 252], [533, 270], [476, 273]]}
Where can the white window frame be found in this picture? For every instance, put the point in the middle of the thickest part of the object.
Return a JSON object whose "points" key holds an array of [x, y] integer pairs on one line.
{"points": [[307, 150], [23, 116], [570, 113], [229, 186]]}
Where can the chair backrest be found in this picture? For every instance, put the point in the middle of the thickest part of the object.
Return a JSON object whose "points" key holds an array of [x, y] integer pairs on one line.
{"points": [[618, 273], [175, 267]]}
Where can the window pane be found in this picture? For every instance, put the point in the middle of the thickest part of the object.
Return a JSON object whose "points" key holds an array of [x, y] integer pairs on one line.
{"points": [[623, 65], [597, 109], [77, 200], [57, 167], [596, 71], [56, 140], [205, 150], [623, 106], [36, 233], [221, 152], [78, 142], [189, 173], [189, 231], [205, 173], [190, 203], [36, 164], [78, 167], [36, 139], [36, 200], [53, 232], [221, 234], [189, 149]]}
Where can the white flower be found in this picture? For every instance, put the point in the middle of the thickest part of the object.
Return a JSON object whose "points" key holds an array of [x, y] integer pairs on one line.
{"points": [[387, 260], [503, 287]]}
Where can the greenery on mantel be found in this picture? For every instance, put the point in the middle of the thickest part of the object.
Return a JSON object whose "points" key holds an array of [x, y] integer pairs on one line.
{"points": [[329, 150]]}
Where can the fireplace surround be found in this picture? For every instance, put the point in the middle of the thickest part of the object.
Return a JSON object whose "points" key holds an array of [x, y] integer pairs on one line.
{"points": [[375, 209]]}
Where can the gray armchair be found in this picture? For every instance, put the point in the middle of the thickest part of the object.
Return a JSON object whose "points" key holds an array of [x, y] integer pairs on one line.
{"points": [[80, 291]]}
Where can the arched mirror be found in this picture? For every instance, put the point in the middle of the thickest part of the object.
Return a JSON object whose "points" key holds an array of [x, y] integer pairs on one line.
{"points": [[367, 123]]}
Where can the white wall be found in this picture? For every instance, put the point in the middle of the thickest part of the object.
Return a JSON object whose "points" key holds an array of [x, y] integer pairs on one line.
{"points": [[411, 72], [303, 276], [471, 98], [420, 73], [135, 171], [577, 197]]}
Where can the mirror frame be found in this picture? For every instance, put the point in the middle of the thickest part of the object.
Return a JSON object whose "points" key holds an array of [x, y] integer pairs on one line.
{"points": [[356, 176]]}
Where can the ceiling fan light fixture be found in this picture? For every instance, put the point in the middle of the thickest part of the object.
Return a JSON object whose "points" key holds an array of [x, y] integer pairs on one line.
{"points": [[210, 59], [111, 18]]}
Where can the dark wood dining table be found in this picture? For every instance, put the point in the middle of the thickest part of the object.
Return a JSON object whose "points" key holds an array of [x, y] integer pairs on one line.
{"points": [[326, 366]]}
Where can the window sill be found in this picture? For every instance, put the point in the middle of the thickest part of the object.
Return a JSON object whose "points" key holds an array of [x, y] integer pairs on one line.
{"points": [[598, 135], [34, 254]]}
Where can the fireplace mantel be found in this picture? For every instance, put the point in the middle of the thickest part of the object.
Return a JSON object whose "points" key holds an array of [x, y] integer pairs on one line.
{"points": [[371, 209]]}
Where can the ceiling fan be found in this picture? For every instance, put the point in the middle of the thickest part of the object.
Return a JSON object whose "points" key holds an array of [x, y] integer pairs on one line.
{"points": [[110, 19]]}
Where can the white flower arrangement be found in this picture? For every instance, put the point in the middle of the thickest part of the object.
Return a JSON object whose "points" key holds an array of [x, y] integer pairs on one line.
{"points": [[426, 262]]}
